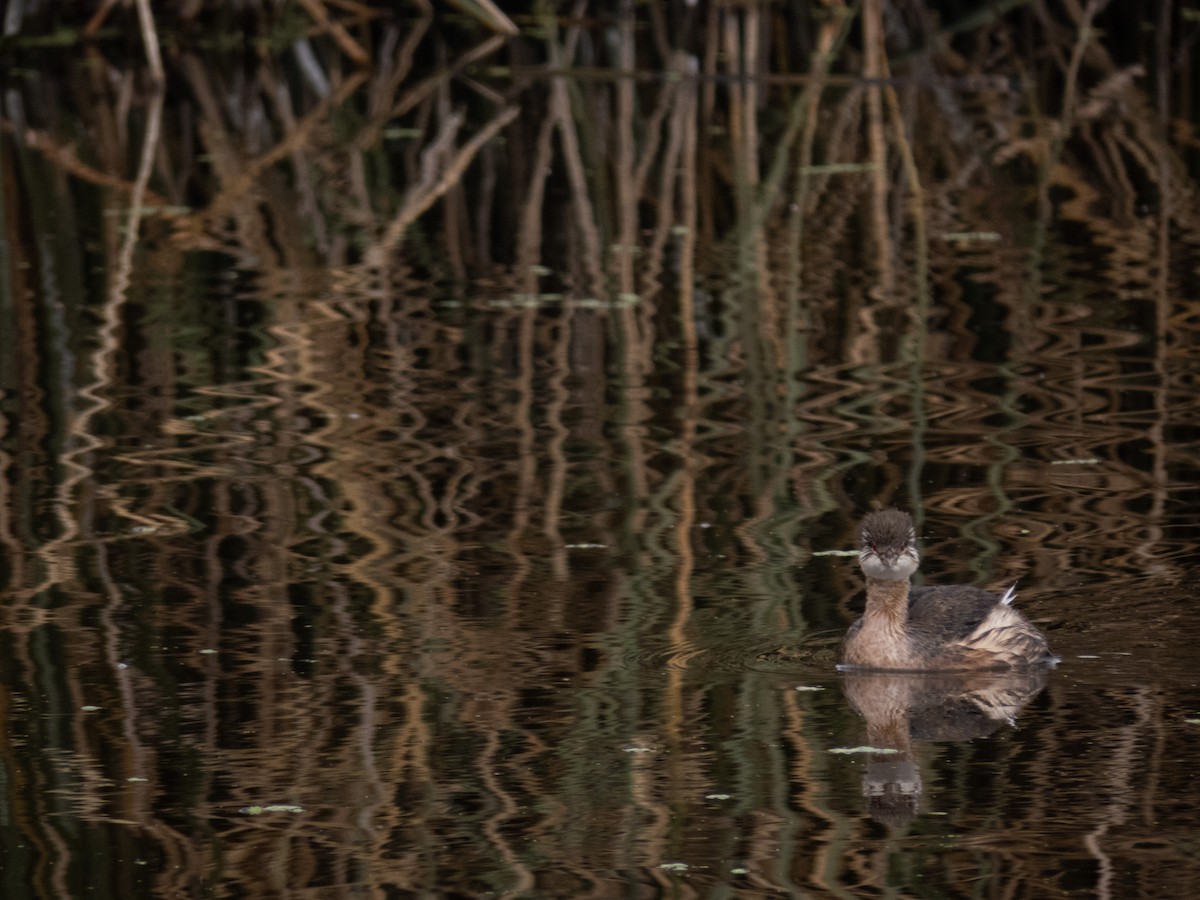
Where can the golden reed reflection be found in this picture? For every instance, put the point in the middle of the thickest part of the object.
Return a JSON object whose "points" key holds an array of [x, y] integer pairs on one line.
{"points": [[345, 551]]}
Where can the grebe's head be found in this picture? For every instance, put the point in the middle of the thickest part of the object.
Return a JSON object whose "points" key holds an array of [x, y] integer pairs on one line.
{"points": [[888, 545]]}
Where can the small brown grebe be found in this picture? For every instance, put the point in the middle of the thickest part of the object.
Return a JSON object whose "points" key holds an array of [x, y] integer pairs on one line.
{"points": [[925, 628]]}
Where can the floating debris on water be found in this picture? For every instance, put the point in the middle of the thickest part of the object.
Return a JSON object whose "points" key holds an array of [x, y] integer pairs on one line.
{"points": [[837, 168], [964, 237]]}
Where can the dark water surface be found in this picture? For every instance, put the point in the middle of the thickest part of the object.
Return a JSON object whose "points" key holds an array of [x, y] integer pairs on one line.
{"points": [[499, 559]]}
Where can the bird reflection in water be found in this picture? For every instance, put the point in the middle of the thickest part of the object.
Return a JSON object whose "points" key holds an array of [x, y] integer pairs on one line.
{"points": [[903, 708]]}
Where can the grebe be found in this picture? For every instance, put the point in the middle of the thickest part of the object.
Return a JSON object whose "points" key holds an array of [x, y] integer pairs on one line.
{"points": [[930, 628]]}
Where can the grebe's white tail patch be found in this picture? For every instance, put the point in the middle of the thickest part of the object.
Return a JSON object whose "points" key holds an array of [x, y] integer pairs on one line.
{"points": [[1010, 595]]}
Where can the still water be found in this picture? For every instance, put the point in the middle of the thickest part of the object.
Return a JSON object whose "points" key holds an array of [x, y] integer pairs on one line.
{"points": [[490, 541]]}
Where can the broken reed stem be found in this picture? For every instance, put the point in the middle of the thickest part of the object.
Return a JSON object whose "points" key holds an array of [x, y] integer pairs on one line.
{"points": [[136, 199], [98, 17], [348, 45], [150, 39], [489, 14], [426, 194]]}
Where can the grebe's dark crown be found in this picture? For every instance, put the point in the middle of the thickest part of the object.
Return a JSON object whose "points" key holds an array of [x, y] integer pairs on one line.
{"points": [[888, 528]]}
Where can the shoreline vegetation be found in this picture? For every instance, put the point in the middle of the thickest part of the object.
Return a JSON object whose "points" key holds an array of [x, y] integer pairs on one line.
{"points": [[427, 124]]}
